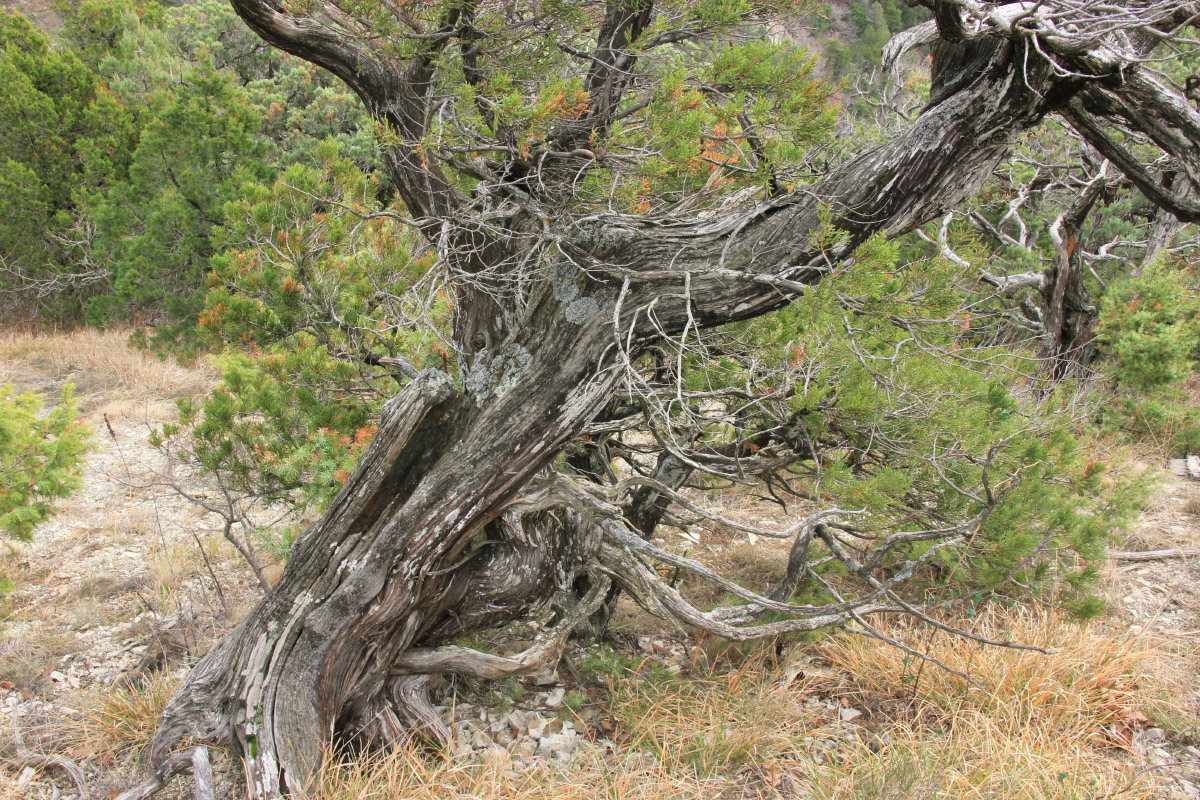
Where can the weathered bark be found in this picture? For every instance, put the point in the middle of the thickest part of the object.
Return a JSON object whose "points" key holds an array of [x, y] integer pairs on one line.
{"points": [[381, 573], [432, 536], [382, 570], [1068, 314]]}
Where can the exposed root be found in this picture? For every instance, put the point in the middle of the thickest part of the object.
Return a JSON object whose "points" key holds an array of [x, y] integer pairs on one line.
{"points": [[545, 652], [1152, 555], [410, 698], [202, 774], [194, 761]]}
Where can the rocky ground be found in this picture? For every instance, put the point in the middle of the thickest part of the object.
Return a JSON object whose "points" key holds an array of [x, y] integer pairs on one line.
{"points": [[1161, 597], [131, 580]]}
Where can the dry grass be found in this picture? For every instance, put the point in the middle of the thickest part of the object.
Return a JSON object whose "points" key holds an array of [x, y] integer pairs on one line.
{"points": [[99, 362], [741, 718], [677, 739], [122, 719], [28, 654], [1093, 686], [1037, 725], [980, 758], [412, 777], [1044, 726]]}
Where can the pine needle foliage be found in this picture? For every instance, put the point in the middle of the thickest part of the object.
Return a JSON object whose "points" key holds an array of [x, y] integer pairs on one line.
{"points": [[306, 304], [39, 460], [916, 414]]}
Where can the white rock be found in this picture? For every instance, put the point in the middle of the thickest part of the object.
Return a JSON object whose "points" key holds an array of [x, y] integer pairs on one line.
{"points": [[548, 678], [555, 744], [555, 698], [517, 721], [535, 727], [849, 714]]}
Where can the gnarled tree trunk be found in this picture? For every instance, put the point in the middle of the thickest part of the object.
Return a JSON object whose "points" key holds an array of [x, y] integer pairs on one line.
{"points": [[445, 527]]}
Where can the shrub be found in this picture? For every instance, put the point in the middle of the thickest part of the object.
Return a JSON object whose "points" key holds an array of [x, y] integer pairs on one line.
{"points": [[39, 456], [1150, 324], [304, 304]]}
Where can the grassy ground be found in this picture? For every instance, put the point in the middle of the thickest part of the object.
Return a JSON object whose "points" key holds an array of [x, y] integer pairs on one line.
{"points": [[127, 577]]}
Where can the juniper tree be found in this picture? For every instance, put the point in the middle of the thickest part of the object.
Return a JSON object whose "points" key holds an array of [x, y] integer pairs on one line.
{"points": [[65, 140], [601, 187]]}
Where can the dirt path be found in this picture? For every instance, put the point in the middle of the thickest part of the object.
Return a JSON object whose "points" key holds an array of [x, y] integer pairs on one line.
{"points": [[1161, 599], [115, 582], [1164, 593]]}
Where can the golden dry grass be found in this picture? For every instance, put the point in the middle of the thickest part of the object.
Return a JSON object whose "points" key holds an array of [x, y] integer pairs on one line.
{"points": [[404, 775], [1091, 680], [121, 719], [1044, 726], [1037, 725], [99, 362], [979, 758], [741, 717]]}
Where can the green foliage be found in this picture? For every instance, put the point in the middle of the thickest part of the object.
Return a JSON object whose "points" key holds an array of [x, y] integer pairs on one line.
{"points": [[299, 105], [602, 663], [1150, 324], [107, 34], [304, 300], [922, 424], [39, 459], [66, 138], [575, 700], [131, 140], [59, 122], [875, 22], [705, 113], [155, 229]]}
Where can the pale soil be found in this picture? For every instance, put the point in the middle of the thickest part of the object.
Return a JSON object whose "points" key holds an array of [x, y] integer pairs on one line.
{"points": [[43, 13], [1161, 600], [121, 559]]}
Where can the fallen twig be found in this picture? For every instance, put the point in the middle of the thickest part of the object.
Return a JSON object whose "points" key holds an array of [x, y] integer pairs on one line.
{"points": [[27, 757], [1152, 555]]}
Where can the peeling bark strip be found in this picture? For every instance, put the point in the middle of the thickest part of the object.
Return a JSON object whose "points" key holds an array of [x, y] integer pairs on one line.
{"points": [[445, 526]]}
